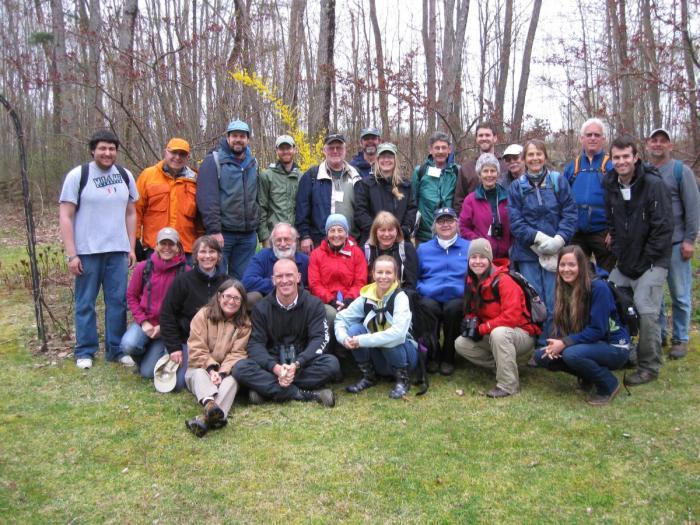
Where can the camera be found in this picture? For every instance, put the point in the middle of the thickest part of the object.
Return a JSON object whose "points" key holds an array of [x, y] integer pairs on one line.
{"points": [[497, 230]]}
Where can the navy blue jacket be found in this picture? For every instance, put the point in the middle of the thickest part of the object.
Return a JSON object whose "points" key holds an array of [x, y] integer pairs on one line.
{"points": [[361, 165], [544, 209], [258, 273], [228, 201]]}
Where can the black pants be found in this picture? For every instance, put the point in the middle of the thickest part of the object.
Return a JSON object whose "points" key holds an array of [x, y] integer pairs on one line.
{"points": [[449, 316], [594, 244], [323, 369]]}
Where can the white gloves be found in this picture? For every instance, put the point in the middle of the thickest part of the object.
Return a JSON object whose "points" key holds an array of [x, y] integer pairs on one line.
{"points": [[552, 245], [541, 237]]}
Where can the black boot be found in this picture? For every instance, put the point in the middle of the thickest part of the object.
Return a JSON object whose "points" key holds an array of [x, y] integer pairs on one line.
{"points": [[369, 378], [402, 384], [323, 396]]}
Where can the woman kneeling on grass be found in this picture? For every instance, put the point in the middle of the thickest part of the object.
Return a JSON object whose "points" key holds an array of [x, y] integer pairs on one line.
{"points": [[495, 329], [218, 339], [375, 327], [592, 339]]}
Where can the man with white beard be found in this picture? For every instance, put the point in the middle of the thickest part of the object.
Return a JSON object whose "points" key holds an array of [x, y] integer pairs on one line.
{"points": [[257, 278]]}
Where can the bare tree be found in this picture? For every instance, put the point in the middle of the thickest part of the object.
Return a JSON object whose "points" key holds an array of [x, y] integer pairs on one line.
{"points": [[325, 72], [525, 71], [502, 83], [381, 77], [429, 34], [293, 63], [689, 59]]}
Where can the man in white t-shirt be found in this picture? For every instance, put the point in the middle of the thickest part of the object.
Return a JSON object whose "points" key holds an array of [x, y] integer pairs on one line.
{"points": [[97, 218]]}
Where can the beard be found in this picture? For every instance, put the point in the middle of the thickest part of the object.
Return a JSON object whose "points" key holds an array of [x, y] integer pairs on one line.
{"points": [[284, 254]]}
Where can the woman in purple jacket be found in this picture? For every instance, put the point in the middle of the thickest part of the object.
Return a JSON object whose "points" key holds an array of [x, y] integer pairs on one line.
{"points": [[485, 210], [147, 288]]}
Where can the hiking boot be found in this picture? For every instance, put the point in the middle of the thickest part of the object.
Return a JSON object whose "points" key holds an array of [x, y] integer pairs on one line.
{"points": [[640, 377], [402, 385], [447, 369], [127, 361], [497, 392], [679, 349], [323, 396], [214, 415], [254, 398], [369, 378], [583, 386], [599, 400], [198, 426]]}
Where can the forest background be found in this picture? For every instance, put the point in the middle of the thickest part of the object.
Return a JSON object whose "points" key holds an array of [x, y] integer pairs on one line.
{"points": [[151, 70]]}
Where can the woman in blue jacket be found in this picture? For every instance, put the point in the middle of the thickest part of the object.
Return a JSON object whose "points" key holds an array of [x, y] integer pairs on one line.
{"points": [[375, 328], [543, 219], [589, 339]]}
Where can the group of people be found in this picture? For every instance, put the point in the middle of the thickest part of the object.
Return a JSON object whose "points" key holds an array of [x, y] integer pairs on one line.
{"points": [[400, 272]]}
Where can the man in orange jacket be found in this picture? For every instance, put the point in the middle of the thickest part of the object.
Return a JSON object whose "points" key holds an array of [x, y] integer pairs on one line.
{"points": [[168, 192]]}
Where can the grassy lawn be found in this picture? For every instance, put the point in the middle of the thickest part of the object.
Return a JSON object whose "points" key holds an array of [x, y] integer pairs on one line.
{"points": [[103, 446]]}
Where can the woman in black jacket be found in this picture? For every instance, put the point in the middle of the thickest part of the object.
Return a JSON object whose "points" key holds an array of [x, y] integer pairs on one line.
{"points": [[386, 189], [386, 238], [186, 295]]}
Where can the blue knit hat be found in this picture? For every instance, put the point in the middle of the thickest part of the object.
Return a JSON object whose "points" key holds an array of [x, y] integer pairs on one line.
{"points": [[336, 219]]}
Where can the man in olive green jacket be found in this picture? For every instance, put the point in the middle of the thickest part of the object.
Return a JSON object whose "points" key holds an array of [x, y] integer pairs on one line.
{"points": [[277, 188], [434, 183]]}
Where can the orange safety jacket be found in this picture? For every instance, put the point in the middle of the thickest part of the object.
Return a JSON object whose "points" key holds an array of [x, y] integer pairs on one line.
{"points": [[167, 201]]}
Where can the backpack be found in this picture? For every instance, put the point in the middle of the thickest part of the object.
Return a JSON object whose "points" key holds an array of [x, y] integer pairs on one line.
{"points": [[536, 309], [678, 172], [624, 302], [553, 177], [421, 376], [84, 173], [146, 278], [402, 256], [577, 169]]}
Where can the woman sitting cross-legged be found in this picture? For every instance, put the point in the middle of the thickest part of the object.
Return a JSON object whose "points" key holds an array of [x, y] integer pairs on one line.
{"points": [[495, 330], [375, 328], [219, 335], [590, 339]]}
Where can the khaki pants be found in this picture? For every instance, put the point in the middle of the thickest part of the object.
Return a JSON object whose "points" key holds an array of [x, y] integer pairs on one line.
{"points": [[198, 382], [499, 351]]}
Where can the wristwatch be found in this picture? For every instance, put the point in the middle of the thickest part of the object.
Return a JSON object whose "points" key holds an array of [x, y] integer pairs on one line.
{"points": [[69, 258]]}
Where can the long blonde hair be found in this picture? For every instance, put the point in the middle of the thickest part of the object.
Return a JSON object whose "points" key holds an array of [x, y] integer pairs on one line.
{"points": [[572, 301], [396, 177]]}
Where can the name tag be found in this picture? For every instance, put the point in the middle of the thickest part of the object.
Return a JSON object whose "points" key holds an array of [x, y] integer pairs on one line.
{"points": [[626, 193], [337, 198], [434, 172]]}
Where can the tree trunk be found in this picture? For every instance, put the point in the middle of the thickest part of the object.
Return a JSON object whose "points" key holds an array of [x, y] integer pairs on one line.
{"points": [[503, 70], [126, 60], [429, 34], [619, 23], [63, 109], [92, 21], [688, 57], [325, 74], [525, 71], [381, 77], [650, 49], [292, 67], [450, 97]]}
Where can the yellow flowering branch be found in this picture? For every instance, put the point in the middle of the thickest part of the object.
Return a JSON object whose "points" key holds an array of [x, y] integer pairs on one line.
{"points": [[309, 154]]}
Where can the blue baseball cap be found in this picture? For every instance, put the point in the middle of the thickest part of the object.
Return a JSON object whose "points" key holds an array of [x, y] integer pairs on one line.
{"points": [[238, 125], [444, 212]]}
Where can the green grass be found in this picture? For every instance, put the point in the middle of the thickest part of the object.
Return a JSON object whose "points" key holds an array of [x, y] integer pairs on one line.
{"points": [[103, 446]]}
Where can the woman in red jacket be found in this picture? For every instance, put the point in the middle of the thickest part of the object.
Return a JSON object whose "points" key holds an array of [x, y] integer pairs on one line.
{"points": [[496, 329], [337, 268]]}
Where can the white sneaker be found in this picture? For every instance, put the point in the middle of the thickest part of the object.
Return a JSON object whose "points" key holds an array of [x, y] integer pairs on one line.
{"points": [[84, 363], [127, 361]]}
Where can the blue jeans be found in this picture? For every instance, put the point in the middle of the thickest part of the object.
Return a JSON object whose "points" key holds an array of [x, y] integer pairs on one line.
{"points": [[680, 283], [143, 349], [385, 360], [239, 249], [110, 272], [543, 281], [591, 362]]}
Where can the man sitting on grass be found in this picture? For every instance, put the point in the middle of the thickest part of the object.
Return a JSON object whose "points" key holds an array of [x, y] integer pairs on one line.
{"points": [[286, 348]]}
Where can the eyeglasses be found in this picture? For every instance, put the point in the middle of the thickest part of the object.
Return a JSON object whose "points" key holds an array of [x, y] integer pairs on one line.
{"points": [[236, 299], [591, 135], [445, 220]]}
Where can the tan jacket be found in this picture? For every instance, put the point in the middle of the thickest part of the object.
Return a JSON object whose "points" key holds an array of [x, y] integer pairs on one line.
{"points": [[216, 344]]}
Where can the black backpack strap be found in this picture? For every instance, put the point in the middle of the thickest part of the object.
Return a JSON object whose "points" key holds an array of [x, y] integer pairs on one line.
{"points": [[84, 173], [125, 176], [146, 281]]}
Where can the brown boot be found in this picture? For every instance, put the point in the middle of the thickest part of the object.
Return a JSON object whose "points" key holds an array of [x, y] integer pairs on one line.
{"points": [[679, 349]]}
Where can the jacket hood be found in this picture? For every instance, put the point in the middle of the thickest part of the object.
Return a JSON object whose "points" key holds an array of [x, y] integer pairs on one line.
{"points": [[501, 192], [159, 265], [359, 161], [345, 250]]}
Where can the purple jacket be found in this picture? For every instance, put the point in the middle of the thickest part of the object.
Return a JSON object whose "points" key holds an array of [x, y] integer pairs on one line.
{"points": [[143, 307], [476, 218]]}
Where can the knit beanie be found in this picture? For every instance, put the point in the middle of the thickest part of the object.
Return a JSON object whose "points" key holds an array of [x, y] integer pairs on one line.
{"points": [[481, 247], [336, 219]]}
